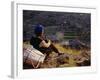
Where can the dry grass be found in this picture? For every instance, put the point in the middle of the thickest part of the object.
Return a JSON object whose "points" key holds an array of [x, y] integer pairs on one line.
{"points": [[52, 62]]}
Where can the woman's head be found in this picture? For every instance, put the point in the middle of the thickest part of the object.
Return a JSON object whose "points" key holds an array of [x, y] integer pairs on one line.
{"points": [[39, 30]]}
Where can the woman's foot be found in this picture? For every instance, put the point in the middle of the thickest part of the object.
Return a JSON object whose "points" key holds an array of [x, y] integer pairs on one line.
{"points": [[60, 54]]}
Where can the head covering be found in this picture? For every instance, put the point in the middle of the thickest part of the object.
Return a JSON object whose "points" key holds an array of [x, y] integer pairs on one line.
{"points": [[39, 29]]}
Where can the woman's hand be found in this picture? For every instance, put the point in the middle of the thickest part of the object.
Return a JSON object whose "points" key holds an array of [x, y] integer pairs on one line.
{"points": [[49, 41]]}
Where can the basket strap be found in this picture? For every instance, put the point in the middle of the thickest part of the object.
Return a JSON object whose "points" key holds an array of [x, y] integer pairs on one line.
{"points": [[38, 63]]}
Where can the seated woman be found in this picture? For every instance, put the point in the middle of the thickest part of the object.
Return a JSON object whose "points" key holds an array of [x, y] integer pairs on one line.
{"points": [[41, 43]]}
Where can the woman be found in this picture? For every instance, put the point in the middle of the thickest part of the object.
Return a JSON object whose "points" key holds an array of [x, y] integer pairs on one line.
{"points": [[41, 43]]}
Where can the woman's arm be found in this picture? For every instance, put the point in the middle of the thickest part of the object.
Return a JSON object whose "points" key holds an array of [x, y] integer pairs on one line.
{"points": [[44, 44]]}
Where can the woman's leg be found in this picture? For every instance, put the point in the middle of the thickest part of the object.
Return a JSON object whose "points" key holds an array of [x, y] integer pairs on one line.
{"points": [[54, 48]]}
